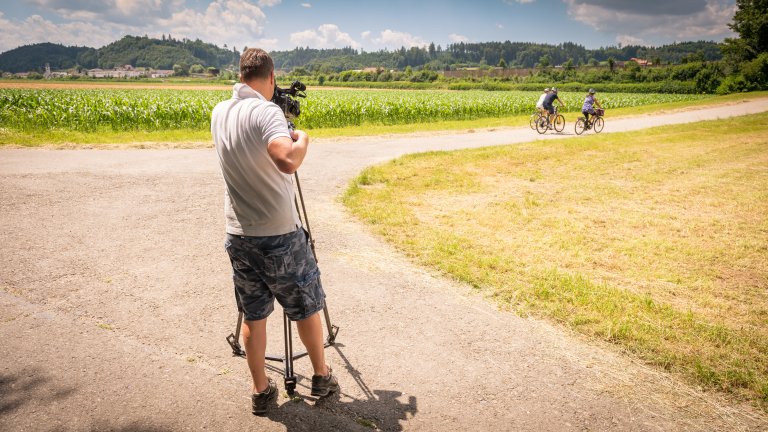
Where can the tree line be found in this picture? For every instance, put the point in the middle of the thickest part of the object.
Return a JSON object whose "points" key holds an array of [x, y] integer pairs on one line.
{"points": [[506, 54]]}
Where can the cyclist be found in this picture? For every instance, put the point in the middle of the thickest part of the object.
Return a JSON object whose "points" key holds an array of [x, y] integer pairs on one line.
{"points": [[548, 104], [589, 106], [540, 103]]}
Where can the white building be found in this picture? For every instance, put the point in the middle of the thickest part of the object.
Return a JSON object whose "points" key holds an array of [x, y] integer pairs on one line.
{"points": [[126, 71], [160, 73]]}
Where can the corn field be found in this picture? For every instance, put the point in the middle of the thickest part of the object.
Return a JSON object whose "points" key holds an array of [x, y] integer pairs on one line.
{"points": [[93, 110]]}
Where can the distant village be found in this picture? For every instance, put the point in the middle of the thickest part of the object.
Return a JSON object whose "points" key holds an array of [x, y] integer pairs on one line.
{"points": [[125, 71], [128, 71]]}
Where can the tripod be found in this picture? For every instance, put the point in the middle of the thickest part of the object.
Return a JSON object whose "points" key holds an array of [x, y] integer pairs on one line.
{"points": [[289, 356]]}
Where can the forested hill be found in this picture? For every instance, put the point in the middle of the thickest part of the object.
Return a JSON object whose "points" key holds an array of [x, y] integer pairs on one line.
{"points": [[133, 50], [34, 57], [513, 54], [164, 53]]}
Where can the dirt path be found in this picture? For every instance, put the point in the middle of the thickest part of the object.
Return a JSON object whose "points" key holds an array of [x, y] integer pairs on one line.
{"points": [[115, 299]]}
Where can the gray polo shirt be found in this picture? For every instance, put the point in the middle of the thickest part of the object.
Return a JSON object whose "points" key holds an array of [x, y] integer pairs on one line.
{"points": [[259, 199]]}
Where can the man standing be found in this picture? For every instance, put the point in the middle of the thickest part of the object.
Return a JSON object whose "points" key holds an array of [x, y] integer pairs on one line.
{"points": [[267, 246]]}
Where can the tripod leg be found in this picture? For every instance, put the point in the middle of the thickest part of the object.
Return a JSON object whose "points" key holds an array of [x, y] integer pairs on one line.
{"points": [[332, 329], [234, 338], [290, 378]]}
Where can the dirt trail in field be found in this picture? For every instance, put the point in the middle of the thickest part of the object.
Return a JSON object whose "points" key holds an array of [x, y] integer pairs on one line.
{"points": [[115, 299], [60, 85]]}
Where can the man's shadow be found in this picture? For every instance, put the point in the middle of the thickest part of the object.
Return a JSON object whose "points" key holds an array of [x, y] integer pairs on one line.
{"points": [[378, 410]]}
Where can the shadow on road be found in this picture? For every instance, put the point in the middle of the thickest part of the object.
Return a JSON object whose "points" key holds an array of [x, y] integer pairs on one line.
{"points": [[379, 410], [27, 386], [27, 396]]}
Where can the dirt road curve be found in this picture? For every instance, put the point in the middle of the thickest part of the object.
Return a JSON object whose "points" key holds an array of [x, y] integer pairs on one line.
{"points": [[115, 299]]}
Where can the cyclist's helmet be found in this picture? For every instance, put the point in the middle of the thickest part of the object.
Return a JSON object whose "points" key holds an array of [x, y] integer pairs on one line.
{"points": [[554, 89], [591, 91], [546, 89]]}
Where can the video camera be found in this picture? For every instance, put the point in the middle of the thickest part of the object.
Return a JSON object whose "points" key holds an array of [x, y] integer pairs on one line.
{"points": [[286, 99]]}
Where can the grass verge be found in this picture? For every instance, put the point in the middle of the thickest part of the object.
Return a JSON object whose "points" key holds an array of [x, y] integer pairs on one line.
{"points": [[173, 138], [655, 241]]}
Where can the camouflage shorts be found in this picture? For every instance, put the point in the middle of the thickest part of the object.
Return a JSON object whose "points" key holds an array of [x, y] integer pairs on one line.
{"points": [[282, 267]]}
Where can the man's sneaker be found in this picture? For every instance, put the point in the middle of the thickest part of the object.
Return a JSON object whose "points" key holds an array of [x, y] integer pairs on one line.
{"points": [[260, 401], [324, 385]]}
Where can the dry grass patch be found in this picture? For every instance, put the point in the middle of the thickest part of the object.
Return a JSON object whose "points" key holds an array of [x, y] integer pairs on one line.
{"points": [[657, 241]]}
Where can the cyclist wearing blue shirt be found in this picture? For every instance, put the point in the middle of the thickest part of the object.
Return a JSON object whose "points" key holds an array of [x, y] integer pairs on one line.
{"points": [[548, 104]]}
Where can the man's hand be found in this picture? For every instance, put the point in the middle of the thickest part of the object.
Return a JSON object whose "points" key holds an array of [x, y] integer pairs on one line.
{"points": [[299, 134], [288, 153]]}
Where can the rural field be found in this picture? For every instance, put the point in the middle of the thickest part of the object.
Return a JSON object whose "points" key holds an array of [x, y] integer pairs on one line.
{"points": [[495, 278], [125, 109]]}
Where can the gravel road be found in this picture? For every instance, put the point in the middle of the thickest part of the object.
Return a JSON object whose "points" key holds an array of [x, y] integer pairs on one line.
{"points": [[116, 297]]}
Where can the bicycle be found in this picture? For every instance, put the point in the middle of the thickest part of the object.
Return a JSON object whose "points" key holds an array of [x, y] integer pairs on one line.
{"points": [[543, 124], [596, 124]]}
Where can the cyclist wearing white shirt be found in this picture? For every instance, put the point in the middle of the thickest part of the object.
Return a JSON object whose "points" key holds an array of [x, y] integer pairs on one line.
{"points": [[540, 103]]}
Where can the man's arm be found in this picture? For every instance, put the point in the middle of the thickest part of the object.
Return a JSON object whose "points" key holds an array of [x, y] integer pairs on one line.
{"points": [[287, 153]]}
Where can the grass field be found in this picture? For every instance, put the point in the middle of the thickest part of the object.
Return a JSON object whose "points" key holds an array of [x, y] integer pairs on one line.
{"points": [[654, 241], [91, 116]]}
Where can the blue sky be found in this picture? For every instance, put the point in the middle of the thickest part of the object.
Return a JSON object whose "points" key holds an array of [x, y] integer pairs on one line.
{"points": [[365, 24]]}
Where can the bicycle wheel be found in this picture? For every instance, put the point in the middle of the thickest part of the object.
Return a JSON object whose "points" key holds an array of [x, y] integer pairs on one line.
{"points": [[559, 123], [598, 125], [579, 126], [534, 119], [542, 125]]}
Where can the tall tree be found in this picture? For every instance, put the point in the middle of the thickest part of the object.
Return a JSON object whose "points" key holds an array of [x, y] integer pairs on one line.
{"points": [[751, 23]]}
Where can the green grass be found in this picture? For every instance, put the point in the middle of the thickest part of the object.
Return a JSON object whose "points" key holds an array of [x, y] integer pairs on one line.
{"points": [[654, 241], [176, 138], [32, 117], [201, 137], [522, 120]]}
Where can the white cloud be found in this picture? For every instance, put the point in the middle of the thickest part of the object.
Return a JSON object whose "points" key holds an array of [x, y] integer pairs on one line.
{"points": [[456, 38], [265, 44], [499, 26], [129, 12], [36, 29], [326, 36], [231, 22], [306, 5], [236, 23], [391, 39], [269, 3], [625, 40], [649, 7], [684, 20]]}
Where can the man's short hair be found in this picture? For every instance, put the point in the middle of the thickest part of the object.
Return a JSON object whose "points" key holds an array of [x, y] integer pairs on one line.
{"points": [[255, 63]]}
